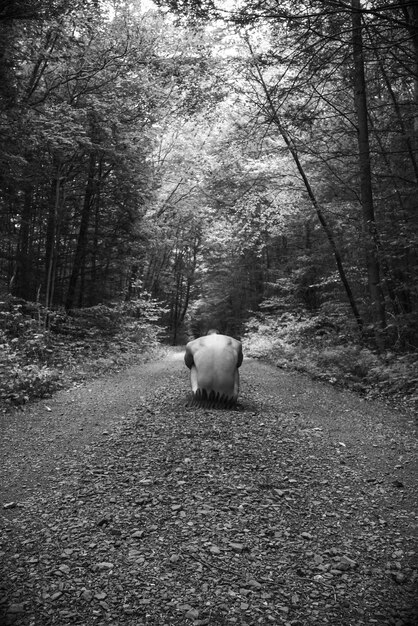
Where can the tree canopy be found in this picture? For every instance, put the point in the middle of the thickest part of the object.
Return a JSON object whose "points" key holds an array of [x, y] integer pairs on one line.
{"points": [[225, 158]]}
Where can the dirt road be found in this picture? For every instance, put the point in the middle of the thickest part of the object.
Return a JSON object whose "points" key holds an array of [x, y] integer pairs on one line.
{"points": [[121, 506]]}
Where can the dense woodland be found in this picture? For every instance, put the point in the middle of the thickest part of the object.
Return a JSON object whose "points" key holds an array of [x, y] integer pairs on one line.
{"points": [[247, 165]]}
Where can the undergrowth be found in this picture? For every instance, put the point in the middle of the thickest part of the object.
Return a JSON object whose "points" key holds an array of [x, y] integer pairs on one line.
{"points": [[43, 350], [325, 349]]}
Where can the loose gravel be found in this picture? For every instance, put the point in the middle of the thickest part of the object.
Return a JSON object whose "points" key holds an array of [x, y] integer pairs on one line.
{"points": [[122, 506]]}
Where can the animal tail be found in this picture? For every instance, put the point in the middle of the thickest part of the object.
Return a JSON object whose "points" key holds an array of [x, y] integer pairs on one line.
{"points": [[212, 400]]}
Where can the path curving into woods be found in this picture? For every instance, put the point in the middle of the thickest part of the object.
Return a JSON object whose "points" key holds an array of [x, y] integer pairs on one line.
{"points": [[122, 506]]}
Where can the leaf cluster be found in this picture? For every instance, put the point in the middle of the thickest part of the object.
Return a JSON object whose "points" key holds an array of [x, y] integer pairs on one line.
{"points": [[43, 350], [326, 348]]}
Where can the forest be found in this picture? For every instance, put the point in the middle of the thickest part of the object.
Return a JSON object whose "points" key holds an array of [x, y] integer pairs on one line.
{"points": [[172, 166]]}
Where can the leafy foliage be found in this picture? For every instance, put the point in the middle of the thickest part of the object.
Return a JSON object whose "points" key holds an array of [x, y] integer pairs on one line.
{"points": [[20, 380], [323, 346], [42, 350], [214, 168], [295, 71]]}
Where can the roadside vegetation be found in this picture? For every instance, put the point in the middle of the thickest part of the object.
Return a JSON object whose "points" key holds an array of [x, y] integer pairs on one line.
{"points": [[42, 351], [220, 162], [324, 347]]}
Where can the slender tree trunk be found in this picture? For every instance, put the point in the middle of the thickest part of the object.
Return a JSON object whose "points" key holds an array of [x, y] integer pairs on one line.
{"points": [[93, 296], [409, 141], [190, 277], [81, 248], [328, 232], [366, 191], [50, 251], [42, 63], [23, 284], [176, 298], [8, 87], [275, 117], [410, 10]]}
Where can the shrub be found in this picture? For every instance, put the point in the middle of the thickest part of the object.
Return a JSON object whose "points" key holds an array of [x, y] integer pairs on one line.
{"points": [[30, 381], [323, 348], [41, 349], [348, 361], [20, 382]]}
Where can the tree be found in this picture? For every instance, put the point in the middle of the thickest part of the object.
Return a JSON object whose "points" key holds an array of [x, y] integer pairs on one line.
{"points": [[273, 115], [312, 59], [149, 153], [366, 190], [81, 100]]}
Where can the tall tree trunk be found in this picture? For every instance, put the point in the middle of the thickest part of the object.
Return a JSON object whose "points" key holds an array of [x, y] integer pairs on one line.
{"points": [[80, 253], [410, 10], [178, 268], [190, 276], [275, 117], [366, 191], [8, 86], [23, 283], [94, 290], [50, 244]]}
